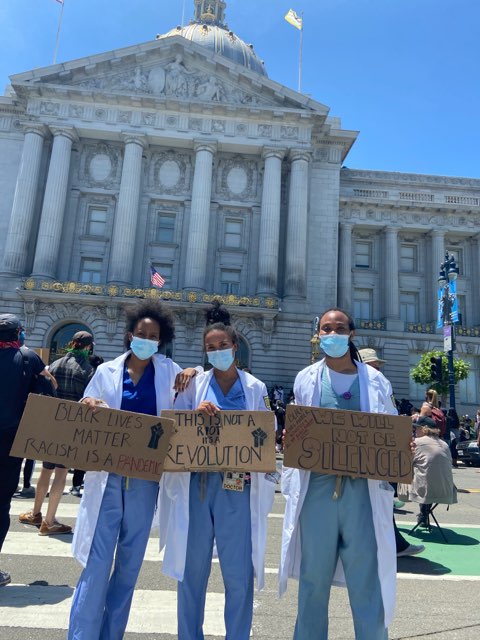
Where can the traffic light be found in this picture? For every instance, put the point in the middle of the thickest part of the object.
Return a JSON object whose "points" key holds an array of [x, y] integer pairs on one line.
{"points": [[436, 368]]}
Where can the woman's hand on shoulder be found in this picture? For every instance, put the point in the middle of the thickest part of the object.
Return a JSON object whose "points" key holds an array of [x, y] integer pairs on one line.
{"points": [[208, 407], [183, 379]]}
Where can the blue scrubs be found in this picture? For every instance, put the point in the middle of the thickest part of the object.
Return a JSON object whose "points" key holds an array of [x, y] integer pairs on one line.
{"points": [[343, 527], [101, 603], [223, 515]]}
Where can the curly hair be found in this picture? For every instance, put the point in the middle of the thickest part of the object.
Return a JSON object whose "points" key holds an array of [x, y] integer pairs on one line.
{"points": [[155, 311], [218, 319]]}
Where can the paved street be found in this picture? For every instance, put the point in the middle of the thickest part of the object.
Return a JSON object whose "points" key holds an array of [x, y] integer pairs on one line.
{"points": [[438, 591]]}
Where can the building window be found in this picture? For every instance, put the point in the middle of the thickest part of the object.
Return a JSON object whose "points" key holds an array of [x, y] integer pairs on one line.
{"points": [[233, 234], [457, 255], [362, 304], [408, 257], [165, 270], [97, 222], [408, 307], [165, 228], [91, 270], [229, 281], [363, 254]]}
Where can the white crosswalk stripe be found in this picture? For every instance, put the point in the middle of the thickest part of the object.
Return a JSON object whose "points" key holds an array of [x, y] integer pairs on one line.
{"points": [[151, 611]]}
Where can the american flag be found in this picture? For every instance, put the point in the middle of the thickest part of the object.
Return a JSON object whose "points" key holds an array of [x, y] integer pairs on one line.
{"points": [[155, 278]]}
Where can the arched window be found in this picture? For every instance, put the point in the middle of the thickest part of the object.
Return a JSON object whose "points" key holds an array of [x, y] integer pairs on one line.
{"points": [[62, 337], [243, 354]]}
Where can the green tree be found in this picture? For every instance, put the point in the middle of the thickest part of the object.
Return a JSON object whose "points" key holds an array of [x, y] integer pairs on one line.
{"points": [[421, 372]]}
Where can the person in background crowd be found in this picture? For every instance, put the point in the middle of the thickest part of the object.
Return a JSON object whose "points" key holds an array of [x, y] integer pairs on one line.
{"points": [[404, 548], [431, 396], [199, 508], [79, 474], [325, 513], [116, 512], [453, 427], [432, 469], [477, 423], [72, 372], [18, 371], [279, 409]]}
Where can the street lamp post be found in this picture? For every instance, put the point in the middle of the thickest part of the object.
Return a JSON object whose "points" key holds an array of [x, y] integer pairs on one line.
{"points": [[448, 315]]}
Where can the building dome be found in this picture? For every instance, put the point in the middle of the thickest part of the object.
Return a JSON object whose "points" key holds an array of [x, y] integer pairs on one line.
{"points": [[209, 30]]}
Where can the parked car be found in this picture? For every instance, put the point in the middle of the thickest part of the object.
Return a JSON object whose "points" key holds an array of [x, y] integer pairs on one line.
{"points": [[468, 452]]}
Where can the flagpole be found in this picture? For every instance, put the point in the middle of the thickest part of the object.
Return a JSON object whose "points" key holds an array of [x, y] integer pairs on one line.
{"points": [[183, 13], [58, 33], [300, 59]]}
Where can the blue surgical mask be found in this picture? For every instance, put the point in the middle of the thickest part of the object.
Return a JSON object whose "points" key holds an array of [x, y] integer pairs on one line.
{"points": [[221, 360], [21, 338], [334, 344], [144, 349]]}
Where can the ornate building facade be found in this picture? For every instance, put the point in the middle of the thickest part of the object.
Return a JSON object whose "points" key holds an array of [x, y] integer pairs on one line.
{"points": [[181, 152]]}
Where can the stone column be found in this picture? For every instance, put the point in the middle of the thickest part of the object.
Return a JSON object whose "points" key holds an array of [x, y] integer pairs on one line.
{"points": [[125, 225], [21, 221], [51, 221], [197, 244], [296, 251], [391, 288], [267, 278], [345, 267]]}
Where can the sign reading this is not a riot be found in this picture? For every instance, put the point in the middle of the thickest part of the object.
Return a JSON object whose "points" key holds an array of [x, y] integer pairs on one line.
{"points": [[229, 440], [349, 443], [70, 433]]}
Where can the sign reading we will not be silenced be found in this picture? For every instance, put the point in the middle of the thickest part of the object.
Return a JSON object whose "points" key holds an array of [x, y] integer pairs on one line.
{"points": [[70, 433], [349, 443], [230, 440]]}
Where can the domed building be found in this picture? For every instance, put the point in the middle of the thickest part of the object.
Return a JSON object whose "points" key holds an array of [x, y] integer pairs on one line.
{"points": [[208, 29], [181, 152]]}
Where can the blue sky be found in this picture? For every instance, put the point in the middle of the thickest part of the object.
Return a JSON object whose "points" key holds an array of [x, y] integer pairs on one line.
{"points": [[402, 72]]}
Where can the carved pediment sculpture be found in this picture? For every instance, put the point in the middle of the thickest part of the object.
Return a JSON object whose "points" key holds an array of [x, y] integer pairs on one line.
{"points": [[171, 80]]}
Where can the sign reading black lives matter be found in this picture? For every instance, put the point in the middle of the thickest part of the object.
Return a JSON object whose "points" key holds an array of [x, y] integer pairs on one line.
{"points": [[230, 440], [69, 433], [349, 443]]}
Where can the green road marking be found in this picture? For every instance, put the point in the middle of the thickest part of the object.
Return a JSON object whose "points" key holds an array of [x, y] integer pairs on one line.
{"points": [[461, 556]]}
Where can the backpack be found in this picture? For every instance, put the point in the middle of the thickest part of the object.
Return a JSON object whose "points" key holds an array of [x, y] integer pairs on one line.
{"points": [[440, 420]]}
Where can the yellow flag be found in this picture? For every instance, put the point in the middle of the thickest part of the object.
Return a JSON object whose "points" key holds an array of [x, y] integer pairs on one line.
{"points": [[294, 19]]}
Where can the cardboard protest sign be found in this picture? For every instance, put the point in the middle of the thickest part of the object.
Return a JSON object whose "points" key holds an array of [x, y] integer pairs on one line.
{"points": [[349, 443], [69, 433], [230, 440]]}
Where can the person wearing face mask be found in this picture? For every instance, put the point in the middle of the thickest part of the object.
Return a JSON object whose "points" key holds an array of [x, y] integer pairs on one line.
{"points": [[198, 508], [338, 529], [116, 512]]}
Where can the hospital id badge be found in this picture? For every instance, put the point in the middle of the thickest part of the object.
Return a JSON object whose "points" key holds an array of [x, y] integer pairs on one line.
{"points": [[233, 481]]}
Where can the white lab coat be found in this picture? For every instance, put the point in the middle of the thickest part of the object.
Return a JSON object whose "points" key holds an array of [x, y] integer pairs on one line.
{"points": [[107, 384], [375, 397], [173, 508]]}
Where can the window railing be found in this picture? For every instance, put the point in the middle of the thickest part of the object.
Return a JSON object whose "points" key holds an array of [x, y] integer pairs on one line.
{"points": [[419, 327], [370, 325], [470, 332], [116, 291]]}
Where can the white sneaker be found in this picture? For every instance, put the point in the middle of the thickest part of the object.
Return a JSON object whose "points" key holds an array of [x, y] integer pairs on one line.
{"points": [[411, 550]]}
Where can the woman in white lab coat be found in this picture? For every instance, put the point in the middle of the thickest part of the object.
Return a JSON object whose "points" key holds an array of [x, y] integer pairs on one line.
{"points": [[339, 530], [198, 508], [116, 512]]}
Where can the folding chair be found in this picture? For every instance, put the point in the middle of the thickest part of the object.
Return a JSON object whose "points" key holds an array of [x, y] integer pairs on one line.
{"points": [[429, 526]]}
